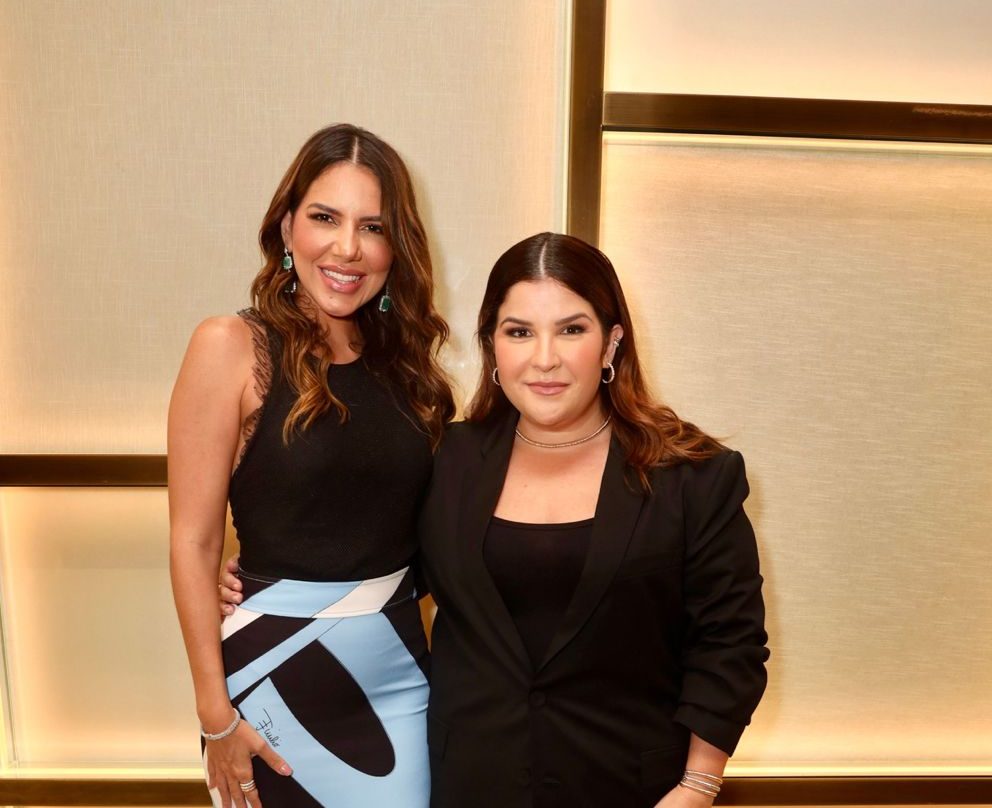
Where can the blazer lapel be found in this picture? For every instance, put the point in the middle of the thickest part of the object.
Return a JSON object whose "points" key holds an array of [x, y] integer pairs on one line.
{"points": [[617, 511], [481, 488]]}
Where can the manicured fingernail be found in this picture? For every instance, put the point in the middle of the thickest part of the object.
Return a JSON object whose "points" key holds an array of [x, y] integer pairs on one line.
{"points": [[284, 769]]}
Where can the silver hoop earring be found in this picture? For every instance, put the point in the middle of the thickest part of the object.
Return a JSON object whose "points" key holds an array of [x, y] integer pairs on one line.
{"points": [[495, 380], [612, 376], [287, 260]]}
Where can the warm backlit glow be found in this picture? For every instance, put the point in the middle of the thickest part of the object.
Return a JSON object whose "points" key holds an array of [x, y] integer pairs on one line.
{"points": [[96, 669], [875, 51], [825, 305]]}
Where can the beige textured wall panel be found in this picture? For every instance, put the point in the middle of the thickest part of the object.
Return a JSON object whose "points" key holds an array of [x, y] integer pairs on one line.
{"points": [[881, 50], [829, 311], [95, 661], [140, 144]]}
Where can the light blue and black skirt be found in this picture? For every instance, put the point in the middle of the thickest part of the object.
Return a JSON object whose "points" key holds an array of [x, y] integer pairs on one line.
{"points": [[334, 677]]}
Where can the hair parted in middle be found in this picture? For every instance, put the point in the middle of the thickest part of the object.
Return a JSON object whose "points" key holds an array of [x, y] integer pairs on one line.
{"points": [[401, 347], [650, 432]]}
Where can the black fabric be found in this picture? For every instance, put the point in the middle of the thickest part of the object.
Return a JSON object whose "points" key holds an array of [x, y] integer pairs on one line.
{"points": [[349, 726], [340, 501], [664, 636], [258, 637], [536, 568]]}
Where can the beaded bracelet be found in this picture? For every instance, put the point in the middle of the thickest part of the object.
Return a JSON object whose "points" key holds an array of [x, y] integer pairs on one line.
{"points": [[219, 736]]}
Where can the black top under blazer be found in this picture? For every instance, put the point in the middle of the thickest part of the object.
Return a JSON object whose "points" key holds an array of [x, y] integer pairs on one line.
{"points": [[664, 635]]}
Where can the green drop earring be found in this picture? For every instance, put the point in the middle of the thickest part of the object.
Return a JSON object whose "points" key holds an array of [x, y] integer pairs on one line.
{"points": [[287, 266], [385, 302]]}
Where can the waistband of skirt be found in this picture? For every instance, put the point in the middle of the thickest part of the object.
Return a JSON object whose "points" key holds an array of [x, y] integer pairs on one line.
{"points": [[285, 597]]}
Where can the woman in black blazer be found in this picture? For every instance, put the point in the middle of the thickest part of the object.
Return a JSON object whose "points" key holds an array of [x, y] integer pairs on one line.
{"points": [[599, 639]]}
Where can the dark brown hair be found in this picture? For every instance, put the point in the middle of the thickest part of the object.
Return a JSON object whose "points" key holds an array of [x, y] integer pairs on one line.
{"points": [[400, 345], [650, 433]]}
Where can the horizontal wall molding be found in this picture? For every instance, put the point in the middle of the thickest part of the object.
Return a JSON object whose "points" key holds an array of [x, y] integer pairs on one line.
{"points": [[796, 117], [44, 791], [85, 470], [736, 791], [856, 791]]}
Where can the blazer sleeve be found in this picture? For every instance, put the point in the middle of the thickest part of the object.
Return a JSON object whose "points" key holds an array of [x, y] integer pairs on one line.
{"points": [[723, 652]]}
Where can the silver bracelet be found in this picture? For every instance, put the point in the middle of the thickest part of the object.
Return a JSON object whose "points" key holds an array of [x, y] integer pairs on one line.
{"points": [[702, 782], [219, 736], [685, 783], [715, 779]]}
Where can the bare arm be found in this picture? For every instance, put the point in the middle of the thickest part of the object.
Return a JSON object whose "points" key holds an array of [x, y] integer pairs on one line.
{"points": [[204, 425]]}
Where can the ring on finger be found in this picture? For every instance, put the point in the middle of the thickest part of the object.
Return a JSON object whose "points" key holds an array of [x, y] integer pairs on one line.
{"points": [[246, 787]]}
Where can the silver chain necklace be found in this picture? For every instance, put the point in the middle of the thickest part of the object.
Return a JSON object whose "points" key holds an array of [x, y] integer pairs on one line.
{"points": [[565, 445]]}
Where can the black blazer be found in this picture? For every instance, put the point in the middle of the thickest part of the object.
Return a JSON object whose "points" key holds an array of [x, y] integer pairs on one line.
{"points": [[664, 635]]}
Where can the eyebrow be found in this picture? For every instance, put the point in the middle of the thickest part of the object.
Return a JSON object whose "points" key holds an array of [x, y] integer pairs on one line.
{"points": [[563, 321], [336, 212]]}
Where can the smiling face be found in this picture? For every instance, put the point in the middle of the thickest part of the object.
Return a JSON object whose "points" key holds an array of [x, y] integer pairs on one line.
{"points": [[341, 254], [550, 353]]}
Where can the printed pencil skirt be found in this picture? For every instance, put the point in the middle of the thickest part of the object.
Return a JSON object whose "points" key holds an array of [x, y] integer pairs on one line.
{"points": [[334, 676]]}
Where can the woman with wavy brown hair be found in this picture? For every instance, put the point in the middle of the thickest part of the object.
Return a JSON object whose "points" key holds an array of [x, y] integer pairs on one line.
{"points": [[314, 414], [600, 620]]}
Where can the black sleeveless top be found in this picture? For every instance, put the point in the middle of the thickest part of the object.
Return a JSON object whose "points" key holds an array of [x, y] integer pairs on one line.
{"points": [[339, 503], [536, 568]]}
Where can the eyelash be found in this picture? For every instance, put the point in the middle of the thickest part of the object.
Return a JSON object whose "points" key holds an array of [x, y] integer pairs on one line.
{"points": [[518, 332], [326, 218]]}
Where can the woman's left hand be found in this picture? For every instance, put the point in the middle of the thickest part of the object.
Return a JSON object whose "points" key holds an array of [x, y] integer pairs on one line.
{"points": [[680, 797]]}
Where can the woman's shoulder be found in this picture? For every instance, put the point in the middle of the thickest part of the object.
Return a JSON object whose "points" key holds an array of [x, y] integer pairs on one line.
{"points": [[706, 489], [466, 440], [231, 347], [225, 335], [460, 436], [719, 472]]}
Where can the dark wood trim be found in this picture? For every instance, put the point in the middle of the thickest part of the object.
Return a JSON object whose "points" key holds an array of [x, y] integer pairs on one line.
{"points": [[107, 792], [856, 791], [82, 470], [797, 117], [585, 133], [736, 791]]}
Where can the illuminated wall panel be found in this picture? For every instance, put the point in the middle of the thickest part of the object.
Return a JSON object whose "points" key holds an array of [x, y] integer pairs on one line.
{"points": [[826, 308], [96, 667], [874, 50]]}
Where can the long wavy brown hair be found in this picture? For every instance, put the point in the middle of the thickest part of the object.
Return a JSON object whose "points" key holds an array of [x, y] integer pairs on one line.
{"points": [[401, 345], [650, 432]]}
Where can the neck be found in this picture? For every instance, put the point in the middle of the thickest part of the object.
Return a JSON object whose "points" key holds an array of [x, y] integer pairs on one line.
{"points": [[586, 428], [341, 336]]}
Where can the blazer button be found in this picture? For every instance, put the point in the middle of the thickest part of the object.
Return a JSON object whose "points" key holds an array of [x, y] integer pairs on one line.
{"points": [[538, 699]]}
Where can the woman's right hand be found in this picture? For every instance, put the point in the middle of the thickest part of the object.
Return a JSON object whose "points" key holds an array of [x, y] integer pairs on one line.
{"points": [[229, 587], [229, 765]]}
